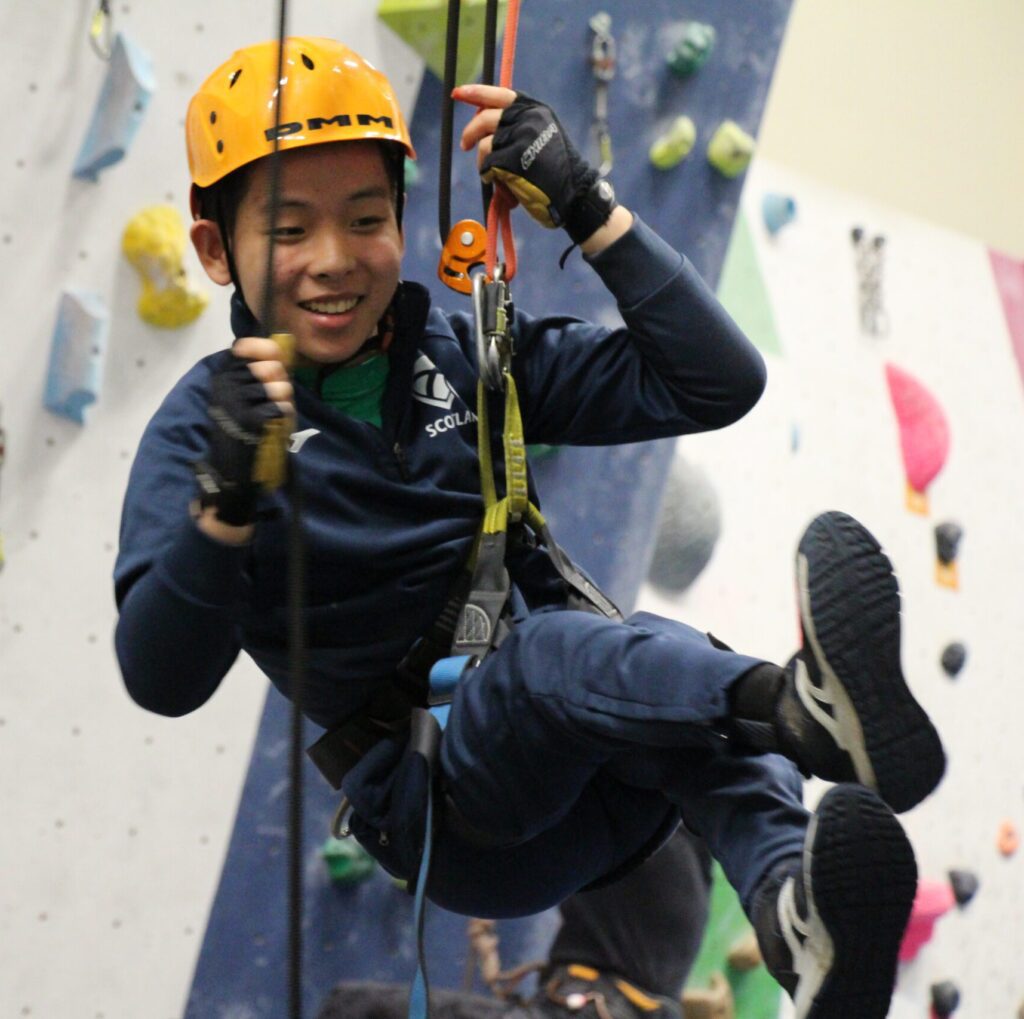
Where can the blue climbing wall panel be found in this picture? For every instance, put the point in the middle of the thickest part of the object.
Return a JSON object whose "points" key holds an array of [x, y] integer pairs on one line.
{"points": [[602, 503]]}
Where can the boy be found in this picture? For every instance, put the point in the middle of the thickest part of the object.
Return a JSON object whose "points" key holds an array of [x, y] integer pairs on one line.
{"points": [[573, 749]]}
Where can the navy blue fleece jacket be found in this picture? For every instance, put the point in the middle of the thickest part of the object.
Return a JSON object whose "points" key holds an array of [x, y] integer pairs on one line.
{"points": [[390, 513]]}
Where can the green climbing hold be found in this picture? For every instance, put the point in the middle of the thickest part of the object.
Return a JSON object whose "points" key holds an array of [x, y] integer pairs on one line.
{"points": [[411, 173], [347, 861], [693, 50], [422, 23]]}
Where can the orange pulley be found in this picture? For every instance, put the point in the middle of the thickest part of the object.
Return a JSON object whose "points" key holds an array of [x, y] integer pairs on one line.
{"points": [[463, 251]]}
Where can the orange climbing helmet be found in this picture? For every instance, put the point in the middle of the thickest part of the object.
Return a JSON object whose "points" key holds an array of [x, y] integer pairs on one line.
{"points": [[329, 94]]}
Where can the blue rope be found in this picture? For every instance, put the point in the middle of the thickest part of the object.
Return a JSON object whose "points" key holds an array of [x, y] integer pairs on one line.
{"points": [[419, 994]]}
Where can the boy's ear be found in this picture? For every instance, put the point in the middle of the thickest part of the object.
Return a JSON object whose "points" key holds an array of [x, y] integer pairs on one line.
{"points": [[209, 245]]}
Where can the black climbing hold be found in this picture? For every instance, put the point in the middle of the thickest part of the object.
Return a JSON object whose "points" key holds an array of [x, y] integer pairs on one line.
{"points": [[945, 998], [953, 658], [964, 884], [947, 541]]}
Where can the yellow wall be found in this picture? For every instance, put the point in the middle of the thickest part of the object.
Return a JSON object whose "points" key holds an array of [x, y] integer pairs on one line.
{"points": [[916, 103]]}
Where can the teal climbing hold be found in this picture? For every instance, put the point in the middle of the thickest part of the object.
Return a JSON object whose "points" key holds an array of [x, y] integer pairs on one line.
{"points": [[347, 861], [693, 50]]}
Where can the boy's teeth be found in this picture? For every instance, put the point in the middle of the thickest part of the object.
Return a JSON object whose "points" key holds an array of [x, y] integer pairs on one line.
{"points": [[331, 307]]}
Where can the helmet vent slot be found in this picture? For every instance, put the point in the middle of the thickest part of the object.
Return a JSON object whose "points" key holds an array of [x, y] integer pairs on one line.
{"points": [[234, 78], [307, 61]]}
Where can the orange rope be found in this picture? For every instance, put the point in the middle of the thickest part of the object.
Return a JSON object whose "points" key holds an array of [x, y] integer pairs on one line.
{"points": [[502, 202]]}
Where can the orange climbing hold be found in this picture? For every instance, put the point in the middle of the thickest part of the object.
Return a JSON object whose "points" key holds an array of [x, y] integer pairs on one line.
{"points": [[1008, 840]]}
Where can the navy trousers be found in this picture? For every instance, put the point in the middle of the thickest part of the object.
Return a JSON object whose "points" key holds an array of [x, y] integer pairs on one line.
{"points": [[576, 748]]}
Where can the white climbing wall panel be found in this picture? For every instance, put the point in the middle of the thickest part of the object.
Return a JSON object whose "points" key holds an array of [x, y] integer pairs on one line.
{"points": [[110, 853], [828, 387]]}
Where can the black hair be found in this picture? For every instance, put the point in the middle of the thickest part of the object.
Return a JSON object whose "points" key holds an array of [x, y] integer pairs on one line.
{"points": [[220, 201]]}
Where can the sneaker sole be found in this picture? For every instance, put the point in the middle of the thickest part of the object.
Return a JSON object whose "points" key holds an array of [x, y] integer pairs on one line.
{"points": [[860, 879], [850, 617]]}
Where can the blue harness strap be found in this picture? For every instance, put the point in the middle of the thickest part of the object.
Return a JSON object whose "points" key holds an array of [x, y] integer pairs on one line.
{"points": [[426, 727]]}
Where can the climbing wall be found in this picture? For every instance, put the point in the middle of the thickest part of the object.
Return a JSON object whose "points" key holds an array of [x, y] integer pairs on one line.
{"points": [[145, 857], [116, 821], [947, 313]]}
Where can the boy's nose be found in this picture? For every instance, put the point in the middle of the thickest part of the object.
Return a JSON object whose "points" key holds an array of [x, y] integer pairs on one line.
{"points": [[332, 255]]}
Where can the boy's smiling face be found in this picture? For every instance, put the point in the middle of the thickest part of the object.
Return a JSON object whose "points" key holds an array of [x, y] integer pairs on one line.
{"points": [[337, 249]]}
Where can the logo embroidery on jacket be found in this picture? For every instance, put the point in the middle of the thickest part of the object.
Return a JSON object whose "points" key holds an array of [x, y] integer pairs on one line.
{"points": [[429, 386], [299, 439]]}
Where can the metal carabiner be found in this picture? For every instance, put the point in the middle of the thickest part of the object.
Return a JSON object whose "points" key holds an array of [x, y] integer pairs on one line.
{"points": [[491, 319]]}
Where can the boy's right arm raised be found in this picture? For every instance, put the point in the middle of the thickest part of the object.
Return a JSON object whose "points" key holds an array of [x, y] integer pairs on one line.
{"points": [[180, 578]]}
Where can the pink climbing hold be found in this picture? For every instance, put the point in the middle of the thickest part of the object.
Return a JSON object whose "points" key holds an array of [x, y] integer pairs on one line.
{"points": [[933, 900], [924, 434]]}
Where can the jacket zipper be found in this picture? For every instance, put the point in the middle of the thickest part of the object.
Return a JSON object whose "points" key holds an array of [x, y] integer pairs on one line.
{"points": [[403, 467]]}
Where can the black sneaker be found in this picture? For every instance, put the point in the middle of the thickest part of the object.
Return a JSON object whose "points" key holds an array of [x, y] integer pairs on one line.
{"points": [[586, 993], [830, 929], [846, 712]]}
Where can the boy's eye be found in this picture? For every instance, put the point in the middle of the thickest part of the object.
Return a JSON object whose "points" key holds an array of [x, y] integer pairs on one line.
{"points": [[287, 231]]}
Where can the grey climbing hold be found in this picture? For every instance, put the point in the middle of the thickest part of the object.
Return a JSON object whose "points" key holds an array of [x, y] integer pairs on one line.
{"points": [[953, 658], [964, 884], [947, 541], [691, 522], [945, 998]]}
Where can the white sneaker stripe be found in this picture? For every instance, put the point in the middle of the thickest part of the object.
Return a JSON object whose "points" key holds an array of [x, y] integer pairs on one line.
{"points": [[843, 724]]}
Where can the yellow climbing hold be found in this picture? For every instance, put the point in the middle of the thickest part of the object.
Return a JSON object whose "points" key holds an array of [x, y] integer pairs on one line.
{"points": [[154, 243], [730, 149], [674, 145]]}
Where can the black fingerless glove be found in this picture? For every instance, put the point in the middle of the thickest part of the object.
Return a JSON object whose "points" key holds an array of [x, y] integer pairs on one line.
{"points": [[239, 410], [534, 158]]}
